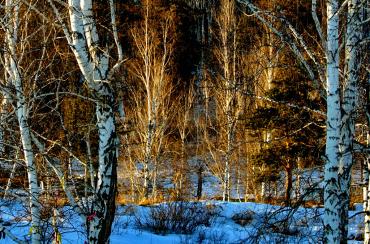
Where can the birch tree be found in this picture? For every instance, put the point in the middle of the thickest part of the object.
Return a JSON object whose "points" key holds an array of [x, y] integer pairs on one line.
{"points": [[228, 86], [12, 68], [151, 69], [366, 186], [93, 61], [331, 190], [325, 68], [349, 106], [366, 190], [184, 126]]}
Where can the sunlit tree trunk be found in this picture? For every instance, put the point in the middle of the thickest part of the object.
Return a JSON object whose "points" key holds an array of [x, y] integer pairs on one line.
{"points": [[151, 68], [226, 55], [12, 174]]}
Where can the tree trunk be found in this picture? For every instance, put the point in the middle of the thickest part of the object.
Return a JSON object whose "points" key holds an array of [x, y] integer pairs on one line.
{"points": [[9, 183], [366, 188], [93, 63], [30, 163], [349, 106], [263, 191], [288, 184], [3, 113], [200, 182], [148, 153], [226, 181], [331, 200], [155, 179], [99, 222], [366, 200], [22, 116]]}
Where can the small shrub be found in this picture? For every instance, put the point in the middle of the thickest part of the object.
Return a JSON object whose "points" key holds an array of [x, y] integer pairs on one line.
{"points": [[177, 217], [284, 230], [205, 236], [129, 210], [243, 218]]}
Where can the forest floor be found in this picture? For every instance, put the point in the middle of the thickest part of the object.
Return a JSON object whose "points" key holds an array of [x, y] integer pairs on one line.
{"points": [[204, 222]]}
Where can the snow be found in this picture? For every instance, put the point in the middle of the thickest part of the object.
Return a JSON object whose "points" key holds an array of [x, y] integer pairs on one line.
{"points": [[305, 224]]}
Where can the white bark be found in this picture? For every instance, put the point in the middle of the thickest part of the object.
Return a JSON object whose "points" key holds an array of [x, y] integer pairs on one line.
{"points": [[366, 197], [331, 191], [2, 121], [349, 106], [152, 72], [340, 128], [366, 187], [22, 115], [93, 63], [263, 191], [227, 58], [9, 183]]}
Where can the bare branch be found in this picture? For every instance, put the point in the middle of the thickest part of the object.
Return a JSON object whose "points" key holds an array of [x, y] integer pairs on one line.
{"points": [[317, 22]]}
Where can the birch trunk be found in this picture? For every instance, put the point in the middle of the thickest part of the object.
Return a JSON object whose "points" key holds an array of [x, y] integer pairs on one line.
{"points": [[9, 183], [331, 198], [22, 117], [148, 154], [349, 106], [226, 190], [151, 69], [227, 59], [2, 121], [103, 206], [366, 188], [93, 63], [263, 191], [366, 198]]}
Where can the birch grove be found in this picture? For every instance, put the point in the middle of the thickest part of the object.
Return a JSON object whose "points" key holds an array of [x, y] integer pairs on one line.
{"points": [[224, 100]]}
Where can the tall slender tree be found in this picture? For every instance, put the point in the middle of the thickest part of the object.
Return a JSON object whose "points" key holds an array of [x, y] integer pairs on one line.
{"points": [[93, 62], [153, 42], [13, 69], [228, 86], [350, 97]]}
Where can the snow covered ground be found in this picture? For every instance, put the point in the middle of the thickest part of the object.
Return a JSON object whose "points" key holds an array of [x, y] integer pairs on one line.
{"points": [[227, 223]]}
